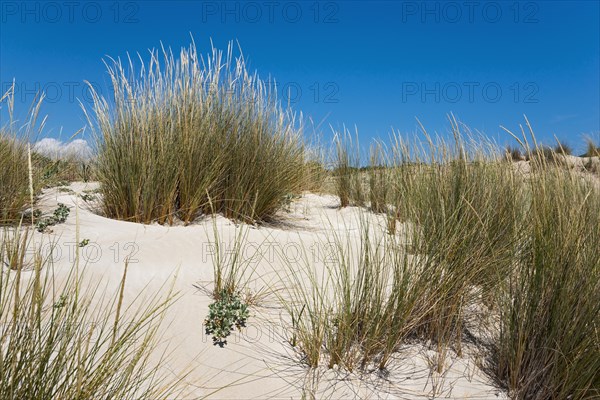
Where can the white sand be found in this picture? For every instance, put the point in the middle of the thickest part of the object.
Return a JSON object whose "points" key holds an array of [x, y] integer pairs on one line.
{"points": [[257, 363]]}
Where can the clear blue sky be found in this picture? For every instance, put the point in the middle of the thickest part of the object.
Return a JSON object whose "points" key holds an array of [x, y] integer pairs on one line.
{"points": [[375, 64]]}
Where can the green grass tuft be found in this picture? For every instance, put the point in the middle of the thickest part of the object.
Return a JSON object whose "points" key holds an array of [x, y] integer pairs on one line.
{"points": [[189, 136]]}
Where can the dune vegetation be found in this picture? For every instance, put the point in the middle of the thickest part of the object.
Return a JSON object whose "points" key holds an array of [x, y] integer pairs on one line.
{"points": [[66, 339], [15, 159], [13, 178], [192, 136], [18, 159], [483, 236], [483, 251]]}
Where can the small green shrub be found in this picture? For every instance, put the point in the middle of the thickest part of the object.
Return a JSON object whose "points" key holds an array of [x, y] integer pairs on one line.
{"points": [[61, 213], [232, 272], [88, 197], [59, 216], [225, 314]]}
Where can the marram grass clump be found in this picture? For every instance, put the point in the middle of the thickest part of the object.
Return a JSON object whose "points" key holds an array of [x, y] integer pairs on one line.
{"points": [[548, 345], [458, 209], [14, 159], [506, 261], [13, 178], [188, 136]]}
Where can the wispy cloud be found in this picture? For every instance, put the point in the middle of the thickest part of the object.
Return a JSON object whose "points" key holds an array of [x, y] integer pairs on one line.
{"points": [[557, 119], [55, 149]]}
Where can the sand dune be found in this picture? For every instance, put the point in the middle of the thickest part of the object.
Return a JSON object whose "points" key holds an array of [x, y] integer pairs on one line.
{"points": [[258, 362]]}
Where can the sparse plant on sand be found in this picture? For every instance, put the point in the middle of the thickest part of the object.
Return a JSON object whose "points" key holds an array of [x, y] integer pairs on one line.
{"points": [[56, 343], [59, 216], [233, 270], [227, 312]]}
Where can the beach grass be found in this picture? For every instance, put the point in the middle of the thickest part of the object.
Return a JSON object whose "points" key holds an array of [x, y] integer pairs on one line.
{"points": [[548, 346], [188, 129], [14, 158], [68, 338], [477, 235], [453, 244]]}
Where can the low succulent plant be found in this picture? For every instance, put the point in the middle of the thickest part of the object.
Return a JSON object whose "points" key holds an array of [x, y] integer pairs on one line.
{"points": [[58, 217], [227, 312]]}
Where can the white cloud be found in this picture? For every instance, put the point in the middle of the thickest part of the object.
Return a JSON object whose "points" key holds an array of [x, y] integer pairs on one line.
{"points": [[55, 149]]}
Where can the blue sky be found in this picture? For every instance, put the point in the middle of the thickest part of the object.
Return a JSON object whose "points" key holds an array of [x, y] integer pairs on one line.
{"points": [[374, 65]]}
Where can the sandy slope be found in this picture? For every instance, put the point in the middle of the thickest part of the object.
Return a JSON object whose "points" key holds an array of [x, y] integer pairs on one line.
{"points": [[257, 363]]}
